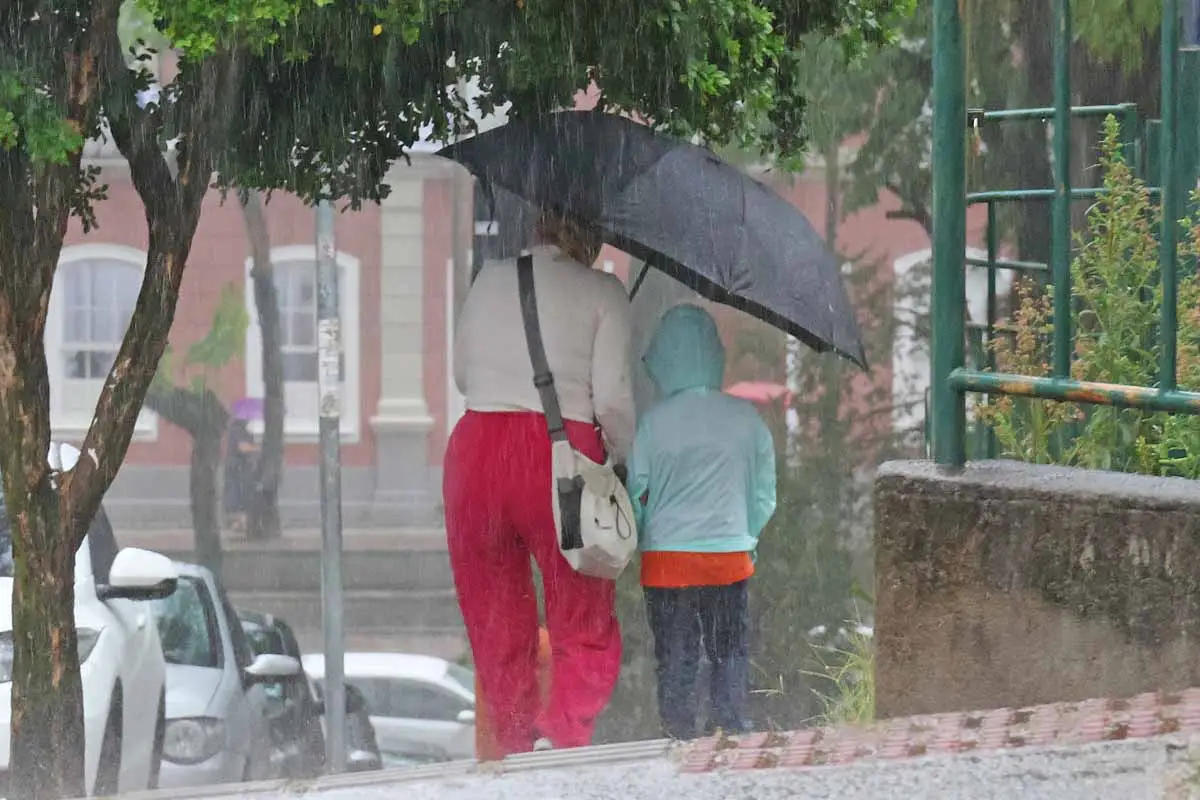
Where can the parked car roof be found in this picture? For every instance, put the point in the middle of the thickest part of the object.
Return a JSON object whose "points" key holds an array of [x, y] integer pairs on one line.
{"points": [[382, 665]]}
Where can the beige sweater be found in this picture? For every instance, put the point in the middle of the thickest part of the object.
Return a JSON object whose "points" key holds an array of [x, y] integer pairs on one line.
{"points": [[585, 322]]}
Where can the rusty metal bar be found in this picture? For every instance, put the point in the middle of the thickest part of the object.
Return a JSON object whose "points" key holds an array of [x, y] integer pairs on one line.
{"points": [[1071, 391]]}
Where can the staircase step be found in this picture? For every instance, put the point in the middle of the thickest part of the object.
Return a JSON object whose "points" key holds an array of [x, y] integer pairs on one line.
{"points": [[363, 610]]}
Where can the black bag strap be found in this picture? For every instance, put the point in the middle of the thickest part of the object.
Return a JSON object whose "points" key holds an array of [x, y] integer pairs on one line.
{"points": [[543, 378]]}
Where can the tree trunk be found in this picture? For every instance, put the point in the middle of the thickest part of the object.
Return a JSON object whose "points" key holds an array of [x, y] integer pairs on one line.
{"points": [[46, 727], [264, 520], [206, 522], [202, 415], [46, 669]]}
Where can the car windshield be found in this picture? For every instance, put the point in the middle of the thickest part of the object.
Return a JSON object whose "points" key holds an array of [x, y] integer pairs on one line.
{"points": [[462, 676], [187, 625], [263, 639]]}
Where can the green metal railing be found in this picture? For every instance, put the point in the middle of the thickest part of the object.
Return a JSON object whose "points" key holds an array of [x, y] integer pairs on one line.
{"points": [[951, 377]]}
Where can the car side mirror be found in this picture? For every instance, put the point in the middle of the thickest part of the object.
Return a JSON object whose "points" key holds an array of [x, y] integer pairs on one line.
{"points": [[466, 716], [272, 667], [138, 574]]}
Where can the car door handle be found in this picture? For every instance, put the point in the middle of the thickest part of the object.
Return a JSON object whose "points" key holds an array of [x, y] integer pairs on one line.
{"points": [[141, 621]]}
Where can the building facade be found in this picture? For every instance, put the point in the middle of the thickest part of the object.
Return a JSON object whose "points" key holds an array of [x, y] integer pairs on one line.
{"points": [[405, 266]]}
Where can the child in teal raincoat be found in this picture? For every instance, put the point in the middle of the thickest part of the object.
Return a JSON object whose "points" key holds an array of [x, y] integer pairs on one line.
{"points": [[702, 477]]}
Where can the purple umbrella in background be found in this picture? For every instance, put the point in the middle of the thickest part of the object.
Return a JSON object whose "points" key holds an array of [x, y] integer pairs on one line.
{"points": [[247, 408]]}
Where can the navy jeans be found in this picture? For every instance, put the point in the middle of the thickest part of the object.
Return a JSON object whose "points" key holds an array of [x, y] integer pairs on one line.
{"points": [[682, 620]]}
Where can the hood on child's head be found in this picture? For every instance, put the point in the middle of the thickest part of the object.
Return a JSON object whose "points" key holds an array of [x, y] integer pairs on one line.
{"points": [[686, 351]]}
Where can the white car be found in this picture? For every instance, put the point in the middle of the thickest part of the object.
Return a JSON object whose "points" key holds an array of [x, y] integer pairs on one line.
{"points": [[121, 660], [421, 706], [217, 730]]}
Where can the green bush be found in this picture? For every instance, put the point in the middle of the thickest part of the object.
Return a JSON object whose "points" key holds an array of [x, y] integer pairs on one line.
{"points": [[1117, 298]]}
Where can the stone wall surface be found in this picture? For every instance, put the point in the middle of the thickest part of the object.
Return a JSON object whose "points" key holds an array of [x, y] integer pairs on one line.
{"points": [[1010, 584]]}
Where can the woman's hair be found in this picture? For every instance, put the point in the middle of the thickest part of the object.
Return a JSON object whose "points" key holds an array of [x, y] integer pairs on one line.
{"points": [[569, 234]]}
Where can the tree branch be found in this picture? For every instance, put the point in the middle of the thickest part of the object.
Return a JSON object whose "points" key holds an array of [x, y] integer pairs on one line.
{"points": [[85, 73], [915, 212], [136, 131], [172, 219], [194, 412]]}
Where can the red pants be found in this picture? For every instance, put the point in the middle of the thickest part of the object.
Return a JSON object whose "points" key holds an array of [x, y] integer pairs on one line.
{"points": [[496, 492]]}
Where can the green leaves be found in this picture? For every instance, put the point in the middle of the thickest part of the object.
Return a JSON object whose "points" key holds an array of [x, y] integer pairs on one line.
{"points": [[1116, 30], [226, 337], [31, 121], [199, 27], [224, 343], [1118, 297]]}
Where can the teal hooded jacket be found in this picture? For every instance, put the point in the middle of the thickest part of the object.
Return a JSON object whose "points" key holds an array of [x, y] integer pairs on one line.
{"points": [[702, 473]]}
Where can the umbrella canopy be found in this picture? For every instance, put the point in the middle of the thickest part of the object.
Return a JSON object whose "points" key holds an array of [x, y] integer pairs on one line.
{"points": [[680, 209], [761, 392]]}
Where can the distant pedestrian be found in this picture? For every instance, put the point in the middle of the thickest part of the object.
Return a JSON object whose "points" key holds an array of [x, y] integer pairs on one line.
{"points": [[241, 464], [702, 478], [497, 485]]}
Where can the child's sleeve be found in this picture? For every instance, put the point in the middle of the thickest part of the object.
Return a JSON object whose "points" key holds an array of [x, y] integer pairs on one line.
{"points": [[638, 482], [762, 504]]}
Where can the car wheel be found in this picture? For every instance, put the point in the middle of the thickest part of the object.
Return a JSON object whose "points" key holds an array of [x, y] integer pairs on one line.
{"points": [[108, 772], [156, 753]]}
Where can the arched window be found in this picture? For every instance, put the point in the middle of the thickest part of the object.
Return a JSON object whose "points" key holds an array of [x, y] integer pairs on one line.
{"points": [[295, 270], [95, 291]]}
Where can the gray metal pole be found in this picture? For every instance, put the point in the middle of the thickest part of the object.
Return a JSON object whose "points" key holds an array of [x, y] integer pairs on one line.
{"points": [[329, 386]]}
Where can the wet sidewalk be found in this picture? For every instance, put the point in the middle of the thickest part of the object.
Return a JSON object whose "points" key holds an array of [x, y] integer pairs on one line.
{"points": [[1143, 747]]}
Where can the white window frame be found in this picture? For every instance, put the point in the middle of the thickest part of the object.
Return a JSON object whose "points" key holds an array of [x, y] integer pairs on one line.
{"points": [[910, 357], [73, 427], [304, 429]]}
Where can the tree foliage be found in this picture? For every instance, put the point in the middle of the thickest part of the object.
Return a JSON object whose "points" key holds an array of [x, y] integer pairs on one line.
{"points": [[317, 97], [182, 394]]}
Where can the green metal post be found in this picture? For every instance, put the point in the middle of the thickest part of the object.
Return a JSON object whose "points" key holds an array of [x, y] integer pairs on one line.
{"points": [[1188, 137], [948, 406], [1060, 243], [989, 441], [1169, 232]]}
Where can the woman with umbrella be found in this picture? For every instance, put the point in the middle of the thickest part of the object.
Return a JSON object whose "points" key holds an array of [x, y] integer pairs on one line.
{"points": [[241, 462], [497, 486]]}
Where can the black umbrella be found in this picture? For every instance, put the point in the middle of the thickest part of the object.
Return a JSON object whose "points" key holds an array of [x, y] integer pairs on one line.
{"points": [[679, 208]]}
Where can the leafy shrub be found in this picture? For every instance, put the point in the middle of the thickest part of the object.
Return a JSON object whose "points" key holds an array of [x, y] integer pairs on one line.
{"points": [[1117, 298]]}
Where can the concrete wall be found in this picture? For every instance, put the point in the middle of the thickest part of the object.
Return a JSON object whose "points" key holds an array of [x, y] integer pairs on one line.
{"points": [[1012, 584]]}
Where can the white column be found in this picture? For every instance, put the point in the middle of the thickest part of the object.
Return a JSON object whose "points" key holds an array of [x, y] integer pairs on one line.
{"points": [[402, 404], [405, 486]]}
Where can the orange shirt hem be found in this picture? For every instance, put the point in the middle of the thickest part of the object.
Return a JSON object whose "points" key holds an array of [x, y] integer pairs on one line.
{"points": [[679, 570]]}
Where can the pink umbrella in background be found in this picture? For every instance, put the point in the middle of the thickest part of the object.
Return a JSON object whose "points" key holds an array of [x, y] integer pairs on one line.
{"points": [[762, 393]]}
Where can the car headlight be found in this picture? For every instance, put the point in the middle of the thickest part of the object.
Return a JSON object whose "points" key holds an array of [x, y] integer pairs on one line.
{"points": [[193, 740], [87, 643]]}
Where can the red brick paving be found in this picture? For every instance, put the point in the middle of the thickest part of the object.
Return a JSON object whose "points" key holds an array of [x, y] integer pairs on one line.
{"points": [[1089, 721]]}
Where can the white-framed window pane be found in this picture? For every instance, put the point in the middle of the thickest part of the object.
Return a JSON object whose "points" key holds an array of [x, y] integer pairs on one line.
{"points": [[100, 299], [295, 283], [78, 323], [303, 331], [89, 364], [306, 292]]}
